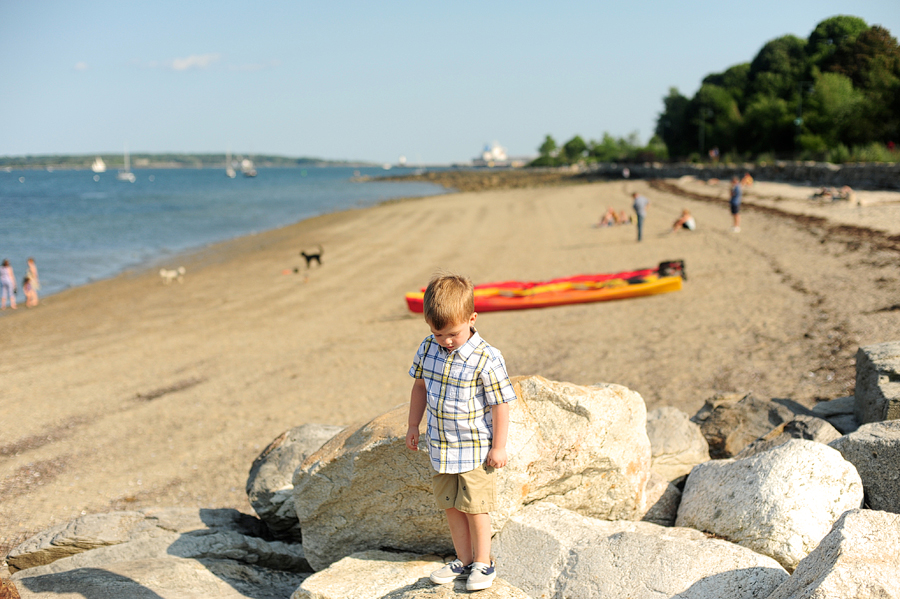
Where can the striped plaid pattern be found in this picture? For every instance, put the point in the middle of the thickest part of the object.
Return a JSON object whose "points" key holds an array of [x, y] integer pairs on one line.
{"points": [[461, 385]]}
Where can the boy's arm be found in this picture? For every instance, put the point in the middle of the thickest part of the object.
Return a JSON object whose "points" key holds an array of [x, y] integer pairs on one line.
{"points": [[416, 410], [496, 457]]}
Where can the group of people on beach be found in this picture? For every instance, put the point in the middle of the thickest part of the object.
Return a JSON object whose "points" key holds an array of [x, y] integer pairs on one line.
{"points": [[686, 220], [30, 285]]}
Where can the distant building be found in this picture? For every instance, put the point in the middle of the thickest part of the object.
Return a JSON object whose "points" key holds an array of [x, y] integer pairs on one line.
{"points": [[495, 155]]}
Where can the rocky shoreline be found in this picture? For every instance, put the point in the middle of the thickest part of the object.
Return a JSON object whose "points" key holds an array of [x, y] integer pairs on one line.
{"points": [[600, 498], [859, 176]]}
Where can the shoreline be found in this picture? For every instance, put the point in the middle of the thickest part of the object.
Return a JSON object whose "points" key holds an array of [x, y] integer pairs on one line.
{"points": [[150, 394], [172, 258]]}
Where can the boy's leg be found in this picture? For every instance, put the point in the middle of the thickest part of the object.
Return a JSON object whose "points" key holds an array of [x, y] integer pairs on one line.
{"points": [[460, 532], [480, 537]]}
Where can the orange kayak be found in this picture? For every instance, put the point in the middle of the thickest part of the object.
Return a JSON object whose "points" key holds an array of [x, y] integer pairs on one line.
{"points": [[579, 289]]}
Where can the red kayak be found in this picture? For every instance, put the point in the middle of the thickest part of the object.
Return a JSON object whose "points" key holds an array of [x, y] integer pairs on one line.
{"points": [[578, 289]]}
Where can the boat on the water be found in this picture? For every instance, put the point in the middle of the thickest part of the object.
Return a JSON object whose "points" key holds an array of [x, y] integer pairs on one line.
{"points": [[126, 175], [229, 168], [247, 168], [98, 166], [579, 289]]}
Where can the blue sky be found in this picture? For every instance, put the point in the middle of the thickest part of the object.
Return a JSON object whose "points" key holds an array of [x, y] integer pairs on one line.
{"points": [[367, 80]]}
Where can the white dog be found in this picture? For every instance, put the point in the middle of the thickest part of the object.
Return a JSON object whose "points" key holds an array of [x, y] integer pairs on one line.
{"points": [[172, 275]]}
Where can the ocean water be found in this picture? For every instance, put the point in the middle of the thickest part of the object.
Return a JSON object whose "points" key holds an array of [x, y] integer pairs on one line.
{"points": [[80, 230]]}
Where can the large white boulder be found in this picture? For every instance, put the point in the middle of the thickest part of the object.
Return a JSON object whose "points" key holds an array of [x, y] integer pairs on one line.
{"points": [[779, 503], [269, 484], [386, 575], [115, 528], [860, 557], [367, 575], [676, 443], [551, 552], [586, 448], [875, 451], [180, 552]]}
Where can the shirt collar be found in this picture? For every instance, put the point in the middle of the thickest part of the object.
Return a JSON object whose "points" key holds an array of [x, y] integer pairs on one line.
{"points": [[466, 349]]}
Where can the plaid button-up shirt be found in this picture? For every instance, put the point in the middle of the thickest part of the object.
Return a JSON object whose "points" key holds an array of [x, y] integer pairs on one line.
{"points": [[461, 386]]}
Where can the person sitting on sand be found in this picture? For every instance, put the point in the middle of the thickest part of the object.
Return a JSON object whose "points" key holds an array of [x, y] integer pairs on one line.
{"points": [[685, 221], [846, 193], [825, 193], [609, 219], [746, 180]]}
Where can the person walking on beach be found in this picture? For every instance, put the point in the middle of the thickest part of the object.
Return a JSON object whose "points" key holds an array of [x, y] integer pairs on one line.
{"points": [[640, 208], [462, 383], [7, 286], [735, 204]]}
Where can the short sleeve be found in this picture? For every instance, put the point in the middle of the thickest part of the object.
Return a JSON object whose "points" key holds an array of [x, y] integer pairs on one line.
{"points": [[498, 388], [416, 370]]}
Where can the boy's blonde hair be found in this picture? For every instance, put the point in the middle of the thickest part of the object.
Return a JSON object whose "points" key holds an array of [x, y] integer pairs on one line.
{"points": [[449, 300]]}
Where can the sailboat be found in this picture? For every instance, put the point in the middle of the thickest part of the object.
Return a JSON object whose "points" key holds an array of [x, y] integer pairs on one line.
{"points": [[98, 166], [126, 175], [247, 168], [229, 169]]}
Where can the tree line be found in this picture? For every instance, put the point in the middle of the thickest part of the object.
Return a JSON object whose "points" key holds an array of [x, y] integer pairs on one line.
{"points": [[833, 96]]}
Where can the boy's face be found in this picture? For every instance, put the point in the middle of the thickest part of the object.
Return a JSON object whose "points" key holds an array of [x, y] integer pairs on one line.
{"points": [[453, 336]]}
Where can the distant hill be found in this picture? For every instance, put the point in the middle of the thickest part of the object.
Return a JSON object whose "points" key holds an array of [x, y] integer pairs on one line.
{"points": [[116, 161]]}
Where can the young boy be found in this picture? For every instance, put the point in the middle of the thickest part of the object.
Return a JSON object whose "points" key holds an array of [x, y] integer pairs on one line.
{"points": [[463, 384]]}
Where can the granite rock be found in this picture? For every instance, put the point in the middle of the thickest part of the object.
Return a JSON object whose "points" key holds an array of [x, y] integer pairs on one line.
{"points": [[269, 484], [551, 552], [801, 427], [858, 558], [676, 443], [779, 503], [173, 553], [878, 382], [874, 450], [731, 422], [585, 448]]}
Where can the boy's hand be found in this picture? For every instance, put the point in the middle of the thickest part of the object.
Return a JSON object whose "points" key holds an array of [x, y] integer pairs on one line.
{"points": [[412, 438], [496, 458]]}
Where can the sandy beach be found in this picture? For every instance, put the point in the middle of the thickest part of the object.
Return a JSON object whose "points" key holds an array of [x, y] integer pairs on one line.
{"points": [[129, 393]]}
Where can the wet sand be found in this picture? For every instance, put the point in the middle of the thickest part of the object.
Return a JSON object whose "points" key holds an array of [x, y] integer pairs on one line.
{"points": [[128, 392]]}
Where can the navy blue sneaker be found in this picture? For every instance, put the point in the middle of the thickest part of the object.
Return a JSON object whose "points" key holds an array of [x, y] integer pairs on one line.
{"points": [[482, 576], [450, 572]]}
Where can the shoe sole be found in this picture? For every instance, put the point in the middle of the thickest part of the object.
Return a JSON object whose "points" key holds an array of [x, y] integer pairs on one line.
{"points": [[479, 586], [448, 580]]}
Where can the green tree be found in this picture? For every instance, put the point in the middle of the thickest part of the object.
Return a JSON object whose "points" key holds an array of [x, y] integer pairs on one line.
{"points": [[716, 111], [673, 125], [548, 148], [873, 64], [575, 149], [779, 67], [834, 110], [769, 126], [832, 36], [734, 80]]}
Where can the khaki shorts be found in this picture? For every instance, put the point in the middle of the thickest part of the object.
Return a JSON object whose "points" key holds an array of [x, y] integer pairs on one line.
{"points": [[471, 492]]}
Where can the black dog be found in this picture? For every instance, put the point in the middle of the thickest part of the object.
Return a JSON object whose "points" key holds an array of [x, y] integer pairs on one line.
{"points": [[310, 256]]}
